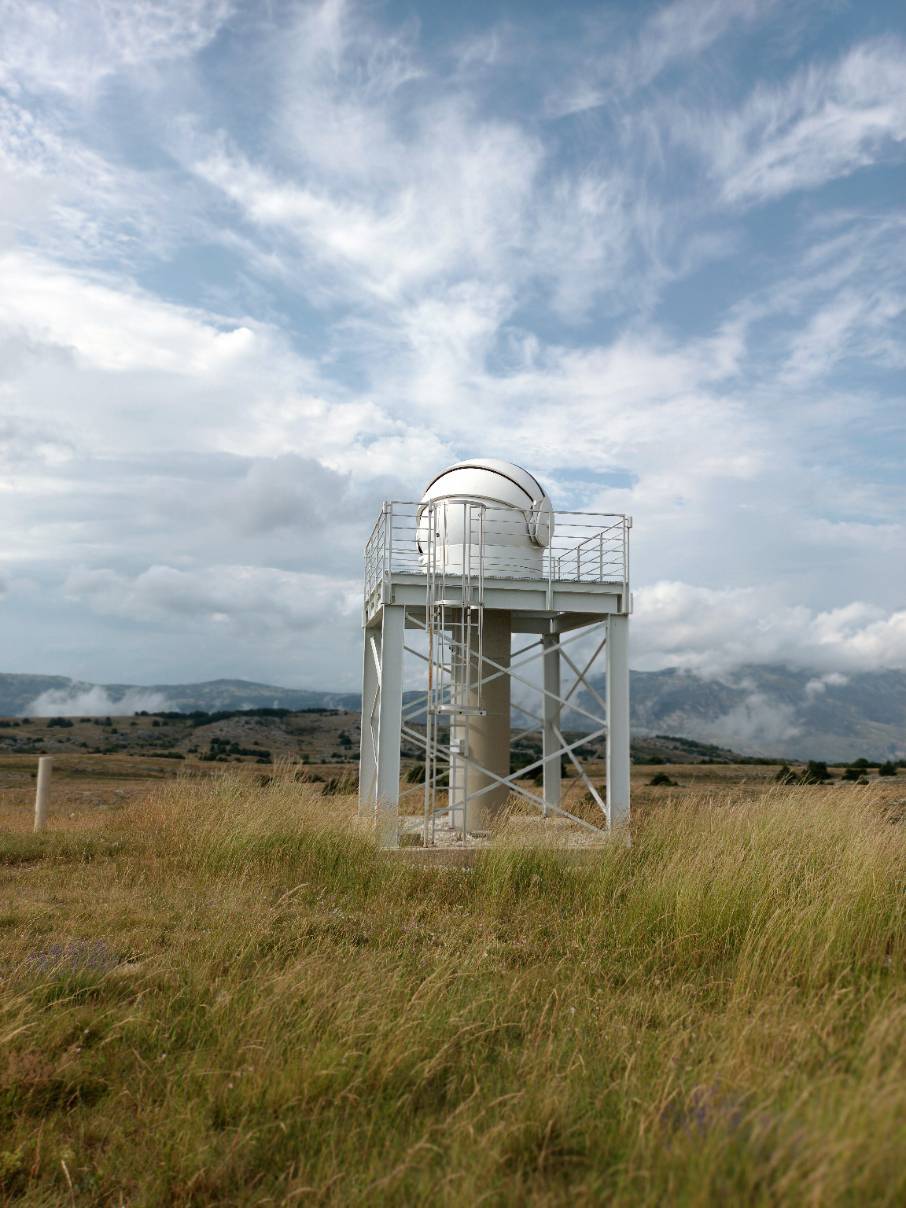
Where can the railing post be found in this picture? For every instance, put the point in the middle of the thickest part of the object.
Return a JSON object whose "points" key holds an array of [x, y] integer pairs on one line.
{"points": [[388, 537]]}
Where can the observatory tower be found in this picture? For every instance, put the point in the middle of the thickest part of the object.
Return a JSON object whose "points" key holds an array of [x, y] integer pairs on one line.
{"points": [[449, 580]]}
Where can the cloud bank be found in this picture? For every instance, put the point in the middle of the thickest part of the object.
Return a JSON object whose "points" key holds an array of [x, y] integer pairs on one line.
{"points": [[95, 702]]}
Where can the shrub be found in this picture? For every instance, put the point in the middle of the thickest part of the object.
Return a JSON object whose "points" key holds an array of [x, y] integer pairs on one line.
{"points": [[815, 772], [887, 769], [662, 779]]}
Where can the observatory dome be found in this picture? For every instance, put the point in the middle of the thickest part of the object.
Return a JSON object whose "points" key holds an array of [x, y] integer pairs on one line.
{"points": [[495, 510]]}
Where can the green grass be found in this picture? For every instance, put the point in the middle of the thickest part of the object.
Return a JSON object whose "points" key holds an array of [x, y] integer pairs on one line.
{"points": [[224, 997]]}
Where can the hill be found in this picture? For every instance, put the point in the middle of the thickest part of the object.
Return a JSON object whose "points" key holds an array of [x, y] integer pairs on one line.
{"points": [[56, 695], [317, 735], [778, 710], [757, 710]]}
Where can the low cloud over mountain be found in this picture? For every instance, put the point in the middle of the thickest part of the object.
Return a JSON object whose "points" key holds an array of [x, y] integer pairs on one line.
{"points": [[759, 710]]}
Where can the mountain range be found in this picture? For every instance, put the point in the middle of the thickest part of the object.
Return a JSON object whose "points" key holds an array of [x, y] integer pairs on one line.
{"points": [[759, 710]]}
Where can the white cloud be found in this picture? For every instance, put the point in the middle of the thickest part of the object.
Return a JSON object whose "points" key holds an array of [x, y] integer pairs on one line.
{"points": [[72, 48], [62, 196], [824, 122], [251, 598], [857, 322], [386, 185], [94, 701], [674, 33], [819, 685], [712, 630], [759, 723], [110, 325], [23, 441], [431, 216]]}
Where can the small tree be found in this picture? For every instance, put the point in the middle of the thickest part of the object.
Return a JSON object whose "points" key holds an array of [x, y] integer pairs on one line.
{"points": [[887, 769], [815, 772], [662, 779]]}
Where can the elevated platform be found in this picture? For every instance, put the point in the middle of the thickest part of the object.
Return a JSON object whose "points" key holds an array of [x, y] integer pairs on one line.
{"points": [[535, 603]]}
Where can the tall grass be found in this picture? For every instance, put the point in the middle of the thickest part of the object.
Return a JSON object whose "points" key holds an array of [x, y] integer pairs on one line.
{"points": [[229, 996]]}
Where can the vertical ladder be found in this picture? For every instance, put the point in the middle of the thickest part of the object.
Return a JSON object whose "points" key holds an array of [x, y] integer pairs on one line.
{"points": [[454, 614]]}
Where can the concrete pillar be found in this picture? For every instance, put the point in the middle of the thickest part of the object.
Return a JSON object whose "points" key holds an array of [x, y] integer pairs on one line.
{"points": [[617, 652], [488, 736], [551, 714], [42, 793], [458, 734]]}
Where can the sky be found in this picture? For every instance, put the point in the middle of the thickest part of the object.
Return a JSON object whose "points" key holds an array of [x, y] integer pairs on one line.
{"points": [[266, 264]]}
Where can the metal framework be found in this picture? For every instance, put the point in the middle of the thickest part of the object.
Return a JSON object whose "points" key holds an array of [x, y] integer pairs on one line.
{"points": [[428, 594]]}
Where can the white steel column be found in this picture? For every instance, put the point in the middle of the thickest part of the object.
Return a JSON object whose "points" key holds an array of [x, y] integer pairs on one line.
{"points": [[551, 714], [617, 654], [389, 724], [371, 689]]}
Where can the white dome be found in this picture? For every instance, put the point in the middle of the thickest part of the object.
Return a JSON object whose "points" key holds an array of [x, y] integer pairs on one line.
{"points": [[501, 484], [517, 518]]}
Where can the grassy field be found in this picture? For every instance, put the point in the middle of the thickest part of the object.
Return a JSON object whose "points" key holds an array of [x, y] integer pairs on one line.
{"points": [[220, 993]]}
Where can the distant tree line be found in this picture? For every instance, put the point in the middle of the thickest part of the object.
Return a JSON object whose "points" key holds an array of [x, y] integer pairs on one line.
{"points": [[201, 717], [816, 771]]}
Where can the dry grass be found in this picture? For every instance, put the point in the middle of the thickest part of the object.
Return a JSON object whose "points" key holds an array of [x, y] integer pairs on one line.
{"points": [[223, 995]]}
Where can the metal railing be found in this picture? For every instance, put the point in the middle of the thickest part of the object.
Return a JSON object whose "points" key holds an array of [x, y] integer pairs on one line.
{"points": [[587, 547]]}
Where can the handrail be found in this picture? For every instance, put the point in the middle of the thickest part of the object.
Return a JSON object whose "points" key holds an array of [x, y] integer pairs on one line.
{"points": [[586, 547]]}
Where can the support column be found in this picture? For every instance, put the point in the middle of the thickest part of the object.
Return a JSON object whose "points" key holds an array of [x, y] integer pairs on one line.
{"points": [[389, 725], [371, 689], [551, 714], [456, 791], [617, 653], [488, 737]]}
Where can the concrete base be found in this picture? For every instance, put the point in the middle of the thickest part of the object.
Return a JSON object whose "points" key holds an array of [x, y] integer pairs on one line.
{"points": [[466, 857]]}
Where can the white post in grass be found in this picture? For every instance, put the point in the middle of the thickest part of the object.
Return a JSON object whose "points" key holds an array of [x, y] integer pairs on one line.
{"points": [[42, 795]]}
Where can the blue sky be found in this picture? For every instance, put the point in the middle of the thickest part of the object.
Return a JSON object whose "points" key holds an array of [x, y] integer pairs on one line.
{"points": [[265, 264]]}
